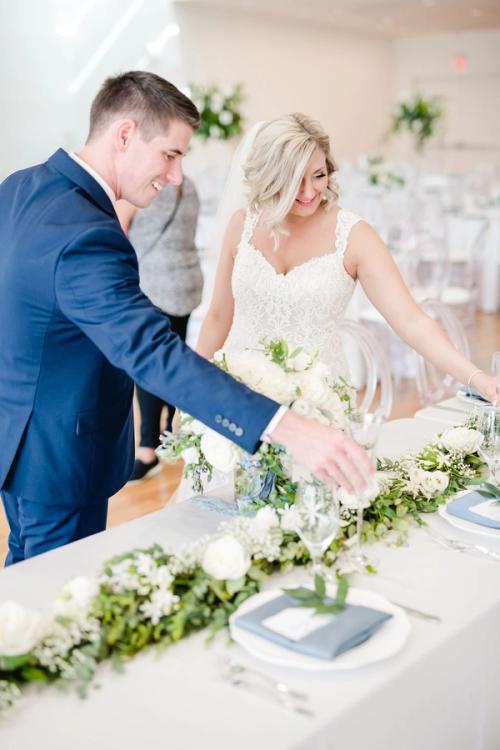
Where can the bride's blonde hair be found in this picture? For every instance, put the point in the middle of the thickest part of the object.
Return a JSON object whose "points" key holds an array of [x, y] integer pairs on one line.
{"points": [[274, 170]]}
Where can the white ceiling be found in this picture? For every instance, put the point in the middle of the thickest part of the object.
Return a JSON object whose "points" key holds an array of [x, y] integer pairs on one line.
{"points": [[381, 17]]}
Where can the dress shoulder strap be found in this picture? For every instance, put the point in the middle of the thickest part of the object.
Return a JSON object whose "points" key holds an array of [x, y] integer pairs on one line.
{"points": [[345, 222], [249, 225]]}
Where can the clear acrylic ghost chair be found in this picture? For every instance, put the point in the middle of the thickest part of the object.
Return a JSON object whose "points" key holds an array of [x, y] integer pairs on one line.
{"points": [[369, 356], [433, 385]]}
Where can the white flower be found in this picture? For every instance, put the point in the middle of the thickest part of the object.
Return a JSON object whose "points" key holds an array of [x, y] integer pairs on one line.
{"points": [[290, 519], [462, 440], [225, 559], [161, 604], [226, 117], [216, 102], [265, 519], [301, 406], [197, 427], [216, 132], [352, 501], [427, 483], [191, 455], [20, 629], [314, 389], [300, 362], [219, 451], [76, 597]]}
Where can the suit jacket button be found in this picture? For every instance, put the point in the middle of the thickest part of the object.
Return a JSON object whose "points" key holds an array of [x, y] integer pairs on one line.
{"points": [[238, 431], [232, 427], [225, 422], [218, 418]]}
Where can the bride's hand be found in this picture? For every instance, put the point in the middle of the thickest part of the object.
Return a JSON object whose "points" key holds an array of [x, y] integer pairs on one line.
{"points": [[330, 454], [487, 386]]}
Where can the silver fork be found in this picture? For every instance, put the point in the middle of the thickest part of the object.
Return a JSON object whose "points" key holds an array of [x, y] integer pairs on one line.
{"points": [[266, 689], [460, 546], [235, 669]]}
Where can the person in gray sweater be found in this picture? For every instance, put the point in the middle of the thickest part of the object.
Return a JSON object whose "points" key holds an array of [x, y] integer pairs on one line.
{"points": [[163, 236]]}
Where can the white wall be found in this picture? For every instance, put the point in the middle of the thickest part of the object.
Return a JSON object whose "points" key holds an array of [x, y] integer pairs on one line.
{"points": [[343, 80], [470, 133]]}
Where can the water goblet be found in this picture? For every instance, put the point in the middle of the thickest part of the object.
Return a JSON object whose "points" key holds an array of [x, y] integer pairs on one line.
{"points": [[495, 369], [316, 520], [364, 429], [488, 424]]}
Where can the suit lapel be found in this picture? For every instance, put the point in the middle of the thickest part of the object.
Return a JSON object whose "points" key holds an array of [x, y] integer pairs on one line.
{"points": [[74, 172]]}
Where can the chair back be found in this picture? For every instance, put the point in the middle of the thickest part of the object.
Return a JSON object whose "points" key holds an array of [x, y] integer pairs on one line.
{"points": [[375, 367], [433, 385]]}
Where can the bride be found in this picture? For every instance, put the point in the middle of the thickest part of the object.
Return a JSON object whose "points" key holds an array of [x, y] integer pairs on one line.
{"points": [[291, 258]]}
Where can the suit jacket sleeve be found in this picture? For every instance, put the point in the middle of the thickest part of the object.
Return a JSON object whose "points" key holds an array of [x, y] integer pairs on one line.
{"points": [[97, 288]]}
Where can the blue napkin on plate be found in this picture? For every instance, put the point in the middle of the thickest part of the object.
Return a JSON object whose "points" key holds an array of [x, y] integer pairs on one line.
{"points": [[345, 630], [462, 508], [471, 393]]}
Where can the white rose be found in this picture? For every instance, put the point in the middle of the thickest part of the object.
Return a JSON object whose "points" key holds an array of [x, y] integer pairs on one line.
{"points": [[429, 483], [301, 406], [225, 559], [76, 597], [320, 370], [300, 362], [216, 102], [219, 451], [226, 117], [20, 629], [290, 520], [314, 389], [462, 439], [352, 501], [190, 455], [265, 519], [215, 131]]}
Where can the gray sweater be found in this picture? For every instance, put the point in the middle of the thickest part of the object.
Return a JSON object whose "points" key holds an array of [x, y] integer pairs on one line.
{"points": [[169, 267]]}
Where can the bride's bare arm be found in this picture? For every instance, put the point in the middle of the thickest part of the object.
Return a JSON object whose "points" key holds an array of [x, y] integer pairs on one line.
{"points": [[219, 317], [368, 259]]}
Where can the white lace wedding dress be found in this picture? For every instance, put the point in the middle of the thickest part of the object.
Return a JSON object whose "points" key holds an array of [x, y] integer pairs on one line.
{"points": [[305, 306]]}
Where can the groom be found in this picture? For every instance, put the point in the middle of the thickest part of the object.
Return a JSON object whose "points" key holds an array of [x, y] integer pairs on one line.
{"points": [[77, 331]]}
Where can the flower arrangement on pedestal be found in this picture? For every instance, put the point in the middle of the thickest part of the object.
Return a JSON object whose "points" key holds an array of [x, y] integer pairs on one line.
{"points": [[219, 111], [419, 116]]}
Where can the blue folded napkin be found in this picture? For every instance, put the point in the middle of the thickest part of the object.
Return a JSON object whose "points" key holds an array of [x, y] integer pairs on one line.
{"points": [[342, 631], [461, 508], [471, 393]]}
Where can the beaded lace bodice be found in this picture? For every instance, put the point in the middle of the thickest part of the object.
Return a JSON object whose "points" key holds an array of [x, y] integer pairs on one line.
{"points": [[305, 306]]}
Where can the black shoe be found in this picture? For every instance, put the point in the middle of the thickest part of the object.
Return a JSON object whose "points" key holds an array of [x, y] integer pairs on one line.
{"points": [[144, 471]]}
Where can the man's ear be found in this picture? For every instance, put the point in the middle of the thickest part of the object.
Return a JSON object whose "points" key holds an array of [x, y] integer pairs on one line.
{"points": [[124, 131]]}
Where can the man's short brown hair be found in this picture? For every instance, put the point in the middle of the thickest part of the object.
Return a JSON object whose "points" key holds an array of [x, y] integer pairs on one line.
{"points": [[146, 97]]}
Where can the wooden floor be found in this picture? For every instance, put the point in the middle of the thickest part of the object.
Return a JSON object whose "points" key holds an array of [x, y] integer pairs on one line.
{"points": [[155, 493]]}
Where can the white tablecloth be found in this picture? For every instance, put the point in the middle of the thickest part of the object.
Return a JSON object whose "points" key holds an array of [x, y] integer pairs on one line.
{"points": [[440, 693]]}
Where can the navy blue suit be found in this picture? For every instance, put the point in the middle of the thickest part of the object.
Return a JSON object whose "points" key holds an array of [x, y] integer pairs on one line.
{"points": [[75, 332]]}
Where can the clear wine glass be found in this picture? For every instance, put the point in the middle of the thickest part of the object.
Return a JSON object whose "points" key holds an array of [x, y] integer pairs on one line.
{"points": [[316, 520], [488, 424], [364, 429]]}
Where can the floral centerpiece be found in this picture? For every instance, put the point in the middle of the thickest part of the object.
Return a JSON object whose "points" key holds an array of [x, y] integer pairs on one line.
{"points": [[290, 376], [155, 597], [219, 111], [419, 117]]}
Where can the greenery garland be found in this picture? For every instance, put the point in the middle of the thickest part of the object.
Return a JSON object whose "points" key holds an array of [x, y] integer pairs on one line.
{"points": [[150, 596]]}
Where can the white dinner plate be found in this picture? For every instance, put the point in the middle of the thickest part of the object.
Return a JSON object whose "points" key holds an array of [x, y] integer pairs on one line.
{"points": [[386, 642], [463, 525]]}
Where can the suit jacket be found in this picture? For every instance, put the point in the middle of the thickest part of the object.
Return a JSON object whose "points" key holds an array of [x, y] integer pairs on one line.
{"points": [[75, 332]]}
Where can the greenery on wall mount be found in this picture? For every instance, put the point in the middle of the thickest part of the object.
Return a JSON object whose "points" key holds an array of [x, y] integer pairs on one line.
{"points": [[219, 111], [419, 116]]}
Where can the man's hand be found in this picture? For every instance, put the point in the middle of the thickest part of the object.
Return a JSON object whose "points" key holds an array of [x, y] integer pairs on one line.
{"points": [[331, 456]]}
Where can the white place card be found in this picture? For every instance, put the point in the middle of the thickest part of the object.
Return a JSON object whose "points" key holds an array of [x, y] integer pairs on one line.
{"points": [[295, 623], [489, 509]]}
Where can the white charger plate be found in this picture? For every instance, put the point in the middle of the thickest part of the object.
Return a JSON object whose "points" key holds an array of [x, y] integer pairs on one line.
{"points": [[463, 525], [386, 642]]}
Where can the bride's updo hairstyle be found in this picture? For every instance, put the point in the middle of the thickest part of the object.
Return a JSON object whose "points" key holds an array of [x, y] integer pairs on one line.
{"points": [[278, 160]]}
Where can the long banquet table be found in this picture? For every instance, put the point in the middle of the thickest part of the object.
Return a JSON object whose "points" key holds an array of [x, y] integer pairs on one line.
{"points": [[442, 691]]}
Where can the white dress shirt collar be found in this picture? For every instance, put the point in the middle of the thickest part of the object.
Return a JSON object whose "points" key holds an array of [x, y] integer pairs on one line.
{"points": [[97, 177]]}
